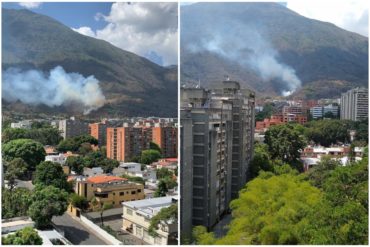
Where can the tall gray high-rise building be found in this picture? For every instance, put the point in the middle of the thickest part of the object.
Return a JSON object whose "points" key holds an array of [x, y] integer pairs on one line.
{"points": [[354, 104], [217, 129]]}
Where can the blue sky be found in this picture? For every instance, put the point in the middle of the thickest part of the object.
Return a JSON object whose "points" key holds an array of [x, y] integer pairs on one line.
{"points": [[152, 35], [73, 15]]}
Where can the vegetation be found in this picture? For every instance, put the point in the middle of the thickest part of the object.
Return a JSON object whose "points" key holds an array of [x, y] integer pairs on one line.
{"points": [[155, 146], [149, 156], [44, 135], [327, 205], [79, 201], [260, 161], [30, 151], [14, 169], [266, 112], [74, 144], [134, 179], [285, 142], [25, 236], [51, 173], [163, 173], [76, 164], [165, 216], [15, 203], [162, 189], [47, 202]]}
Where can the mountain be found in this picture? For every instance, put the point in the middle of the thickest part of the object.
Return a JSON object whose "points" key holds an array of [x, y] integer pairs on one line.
{"points": [[132, 85], [219, 39]]}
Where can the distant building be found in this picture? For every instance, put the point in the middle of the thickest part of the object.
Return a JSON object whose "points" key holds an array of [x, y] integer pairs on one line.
{"points": [[58, 158], [312, 155], [72, 127], [333, 109], [124, 143], [25, 124], [92, 172], [354, 104], [166, 138], [316, 112], [137, 215], [110, 189], [99, 130]]}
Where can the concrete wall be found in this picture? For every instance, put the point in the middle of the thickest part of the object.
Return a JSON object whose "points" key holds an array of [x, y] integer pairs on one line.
{"points": [[103, 234]]}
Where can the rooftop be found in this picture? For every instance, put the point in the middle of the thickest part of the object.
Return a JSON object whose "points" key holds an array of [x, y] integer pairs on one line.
{"points": [[150, 207], [104, 179]]}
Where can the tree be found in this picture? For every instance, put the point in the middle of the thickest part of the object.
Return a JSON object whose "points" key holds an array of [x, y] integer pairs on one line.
{"points": [[260, 161], [270, 210], [202, 237], [155, 146], [104, 206], [25, 236], [51, 173], [14, 169], [45, 135], [76, 164], [161, 190], [170, 182], [319, 173], [15, 203], [109, 164], [79, 201], [134, 179], [47, 202], [149, 156], [284, 143], [163, 173], [73, 144], [165, 216], [84, 148], [30, 151]]}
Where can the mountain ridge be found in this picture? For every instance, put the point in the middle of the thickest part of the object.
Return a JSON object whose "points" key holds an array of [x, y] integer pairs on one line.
{"points": [[129, 82]]}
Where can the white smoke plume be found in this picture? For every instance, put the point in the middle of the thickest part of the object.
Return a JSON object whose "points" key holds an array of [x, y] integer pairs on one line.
{"points": [[56, 89], [245, 45]]}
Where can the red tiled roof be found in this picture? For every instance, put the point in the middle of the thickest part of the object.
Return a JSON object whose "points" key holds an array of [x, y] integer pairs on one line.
{"points": [[104, 179], [171, 159]]}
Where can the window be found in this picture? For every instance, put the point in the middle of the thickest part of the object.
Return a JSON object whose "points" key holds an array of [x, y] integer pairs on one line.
{"points": [[129, 211], [139, 231], [133, 192], [122, 193], [139, 190], [114, 193]]}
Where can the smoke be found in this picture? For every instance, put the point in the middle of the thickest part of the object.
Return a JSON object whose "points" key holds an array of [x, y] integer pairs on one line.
{"points": [[58, 88], [244, 44]]}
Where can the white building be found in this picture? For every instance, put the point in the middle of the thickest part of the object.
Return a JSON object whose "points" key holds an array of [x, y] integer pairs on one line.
{"points": [[354, 104], [92, 172], [58, 158], [149, 174], [137, 215], [316, 112], [331, 108], [25, 124], [130, 166]]}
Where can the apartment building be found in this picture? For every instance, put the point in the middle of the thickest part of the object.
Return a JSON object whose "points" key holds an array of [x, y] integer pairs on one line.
{"points": [[166, 138], [109, 189], [137, 215], [354, 104], [217, 129], [73, 127]]}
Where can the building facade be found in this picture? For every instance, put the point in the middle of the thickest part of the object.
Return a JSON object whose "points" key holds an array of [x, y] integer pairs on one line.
{"points": [[73, 127], [217, 130], [166, 138], [109, 189], [137, 215], [354, 104]]}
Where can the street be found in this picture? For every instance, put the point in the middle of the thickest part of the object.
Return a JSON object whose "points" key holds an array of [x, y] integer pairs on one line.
{"points": [[76, 232]]}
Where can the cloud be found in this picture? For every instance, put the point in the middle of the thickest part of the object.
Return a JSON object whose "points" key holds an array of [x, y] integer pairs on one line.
{"points": [[30, 5], [350, 15], [142, 28]]}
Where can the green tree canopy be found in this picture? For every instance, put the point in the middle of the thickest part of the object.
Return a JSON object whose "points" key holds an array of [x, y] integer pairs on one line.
{"points": [[45, 135], [30, 151], [25, 236], [79, 201], [73, 144], [163, 173], [14, 169], [260, 161], [165, 216], [47, 202], [284, 142], [270, 210], [161, 190], [15, 203], [150, 156], [51, 173], [76, 164], [155, 146]]}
